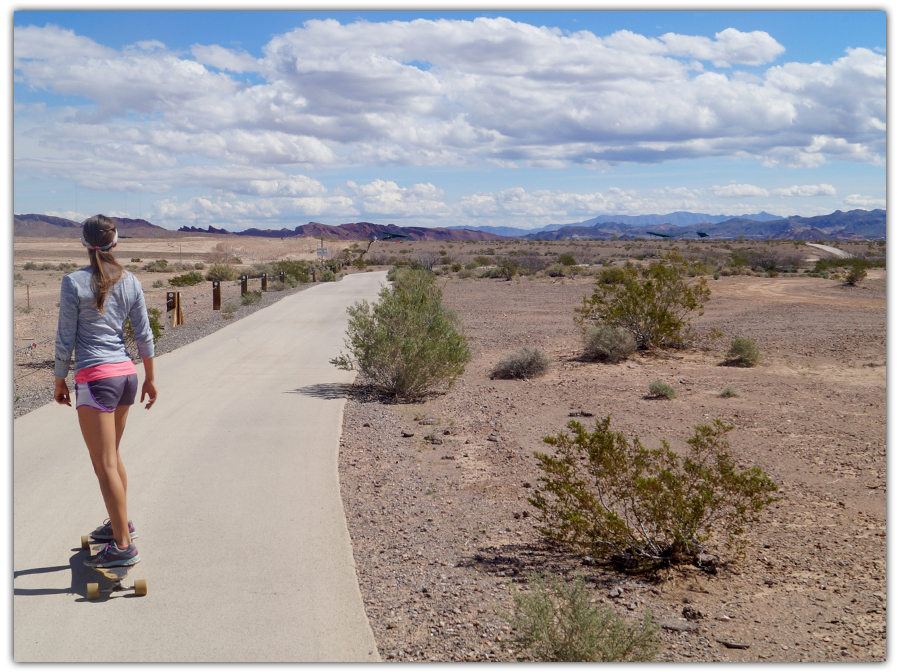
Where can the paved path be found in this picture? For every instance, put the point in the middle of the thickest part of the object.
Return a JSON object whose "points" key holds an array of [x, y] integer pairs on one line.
{"points": [[833, 250], [233, 487]]}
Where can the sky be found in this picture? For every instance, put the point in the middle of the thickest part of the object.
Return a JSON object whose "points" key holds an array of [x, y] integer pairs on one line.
{"points": [[272, 119]]}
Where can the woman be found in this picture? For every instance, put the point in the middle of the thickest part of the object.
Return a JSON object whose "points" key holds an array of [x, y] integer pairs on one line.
{"points": [[93, 305]]}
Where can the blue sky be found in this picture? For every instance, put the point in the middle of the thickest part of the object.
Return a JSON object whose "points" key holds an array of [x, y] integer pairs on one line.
{"points": [[504, 118]]}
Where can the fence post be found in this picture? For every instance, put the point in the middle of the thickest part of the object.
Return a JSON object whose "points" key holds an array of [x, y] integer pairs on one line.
{"points": [[265, 282], [217, 296], [281, 277], [314, 275], [174, 316], [243, 285]]}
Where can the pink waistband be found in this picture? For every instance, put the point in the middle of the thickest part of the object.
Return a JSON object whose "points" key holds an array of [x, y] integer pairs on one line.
{"points": [[105, 371]]}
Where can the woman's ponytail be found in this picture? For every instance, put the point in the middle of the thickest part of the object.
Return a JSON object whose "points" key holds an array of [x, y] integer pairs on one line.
{"points": [[99, 235]]}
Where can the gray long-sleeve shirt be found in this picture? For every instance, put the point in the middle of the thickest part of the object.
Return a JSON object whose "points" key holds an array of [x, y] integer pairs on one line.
{"points": [[97, 338]]}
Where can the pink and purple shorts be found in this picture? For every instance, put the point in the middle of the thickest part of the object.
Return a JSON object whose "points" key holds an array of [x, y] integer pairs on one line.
{"points": [[107, 394]]}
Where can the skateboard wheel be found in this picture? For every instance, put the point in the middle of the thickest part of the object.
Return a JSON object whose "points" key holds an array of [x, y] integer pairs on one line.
{"points": [[85, 543], [93, 591], [140, 587]]}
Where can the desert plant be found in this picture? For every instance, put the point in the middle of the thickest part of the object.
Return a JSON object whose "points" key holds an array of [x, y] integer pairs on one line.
{"points": [[556, 622], [743, 352], [158, 266], [856, 271], [610, 276], [299, 270], [186, 280], [222, 273], [136, 260], [729, 391], [481, 260], [326, 275], [653, 303], [508, 268], [525, 363], [158, 283], [566, 259], [407, 344], [456, 267], [556, 270], [607, 344], [30, 266], [660, 390], [153, 317], [251, 297], [643, 508]]}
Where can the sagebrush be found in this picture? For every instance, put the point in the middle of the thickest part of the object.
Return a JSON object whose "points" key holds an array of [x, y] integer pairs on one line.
{"points": [[557, 622], [607, 344], [654, 303], [407, 344], [743, 352], [525, 363], [610, 498]]}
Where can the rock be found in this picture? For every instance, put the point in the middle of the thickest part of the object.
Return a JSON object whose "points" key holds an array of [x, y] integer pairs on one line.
{"points": [[588, 560], [615, 592], [429, 421], [406, 434], [691, 613], [494, 437], [733, 645], [677, 626]]}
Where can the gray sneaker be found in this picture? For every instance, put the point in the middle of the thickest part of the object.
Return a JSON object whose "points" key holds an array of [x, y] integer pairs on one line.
{"points": [[105, 531], [113, 556]]}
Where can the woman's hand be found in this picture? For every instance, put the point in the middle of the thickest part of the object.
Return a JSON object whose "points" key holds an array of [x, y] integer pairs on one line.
{"points": [[61, 394], [148, 389]]}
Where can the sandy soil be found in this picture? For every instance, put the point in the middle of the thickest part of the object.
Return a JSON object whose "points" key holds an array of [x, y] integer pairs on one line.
{"points": [[443, 533]]}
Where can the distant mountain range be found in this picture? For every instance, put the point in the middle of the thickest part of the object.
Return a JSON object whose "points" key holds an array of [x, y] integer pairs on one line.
{"points": [[852, 225]]}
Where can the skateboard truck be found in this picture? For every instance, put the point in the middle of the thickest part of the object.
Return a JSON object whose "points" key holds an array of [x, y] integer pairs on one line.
{"points": [[114, 574]]}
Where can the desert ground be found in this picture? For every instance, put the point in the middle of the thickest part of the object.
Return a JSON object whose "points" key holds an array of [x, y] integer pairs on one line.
{"points": [[442, 530]]}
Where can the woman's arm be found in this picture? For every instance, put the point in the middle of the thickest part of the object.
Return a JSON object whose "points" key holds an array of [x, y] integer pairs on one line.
{"points": [[149, 387]]}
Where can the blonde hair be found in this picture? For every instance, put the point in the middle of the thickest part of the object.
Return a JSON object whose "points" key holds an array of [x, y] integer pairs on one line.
{"points": [[100, 231]]}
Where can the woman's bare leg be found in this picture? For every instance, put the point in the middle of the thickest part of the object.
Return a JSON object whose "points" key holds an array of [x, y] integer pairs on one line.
{"points": [[121, 415], [99, 431]]}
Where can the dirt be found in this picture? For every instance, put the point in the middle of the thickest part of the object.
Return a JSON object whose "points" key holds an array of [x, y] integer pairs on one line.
{"points": [[443, 533]]}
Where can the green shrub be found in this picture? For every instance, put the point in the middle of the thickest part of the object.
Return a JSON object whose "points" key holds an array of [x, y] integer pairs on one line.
{"points": [[467, 273], [555, 622], [556, 270], [186, 280], [607, 344], [526, 363], [135, 260], [508, 268], [456, 267], [158, 266], [222, 273], [158, 283], [610, 276], [30, 266], [743, 352], [567, 259], [641, 508], [481, 261], [251, 297], [326, 275], [407, 344], [153, 317], [199, 266], [228, 310], [729, 391], [659, 389], [652, 303], [292, 268], [856, 271]]}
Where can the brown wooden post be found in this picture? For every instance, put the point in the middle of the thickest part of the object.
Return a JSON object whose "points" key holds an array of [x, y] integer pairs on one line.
{"points": [[174, 316], [217, 296], [243, 285], [265, 282], [314, 275], [281, 277]]}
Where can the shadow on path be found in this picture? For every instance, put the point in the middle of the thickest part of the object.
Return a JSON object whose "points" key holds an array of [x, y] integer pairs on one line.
{"points": [[324, 390]]}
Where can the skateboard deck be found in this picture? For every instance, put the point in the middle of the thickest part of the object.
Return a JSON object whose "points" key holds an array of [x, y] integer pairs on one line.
{"points": [[113, 575]]}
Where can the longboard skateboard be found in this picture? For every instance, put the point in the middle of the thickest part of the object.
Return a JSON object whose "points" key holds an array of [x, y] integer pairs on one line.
{"points": [[115, 575]]}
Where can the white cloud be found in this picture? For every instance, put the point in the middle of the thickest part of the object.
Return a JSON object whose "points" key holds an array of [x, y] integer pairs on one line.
{"points": [[865, 202], [739, 191], [806, 190], [224, 59], [385, 198]]}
